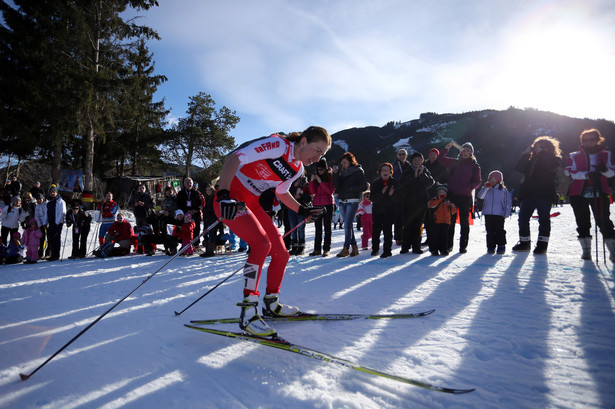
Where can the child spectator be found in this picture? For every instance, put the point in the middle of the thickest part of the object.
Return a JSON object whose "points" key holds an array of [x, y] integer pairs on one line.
{"points": [[443, 210], [175, 225], [187, 231], [365, 211], [384, 196], [496, 208], [80, 221], [15, 251], [32, 240]]}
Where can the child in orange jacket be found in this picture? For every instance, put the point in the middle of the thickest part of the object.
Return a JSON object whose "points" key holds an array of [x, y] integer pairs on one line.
{"points": [[442, 211]]}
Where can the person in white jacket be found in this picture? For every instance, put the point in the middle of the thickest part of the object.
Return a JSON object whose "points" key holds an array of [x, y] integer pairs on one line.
{"points": [[12, 216], [40, 215], [56, 214], [496, 208]]}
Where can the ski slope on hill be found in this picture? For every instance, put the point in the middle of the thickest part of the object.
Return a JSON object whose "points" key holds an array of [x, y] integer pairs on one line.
{"points": [[526, 331]]}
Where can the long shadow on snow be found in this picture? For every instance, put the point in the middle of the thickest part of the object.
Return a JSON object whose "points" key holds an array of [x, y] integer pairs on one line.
{"points": [[442, 298], [507, 338], [597, 332]]}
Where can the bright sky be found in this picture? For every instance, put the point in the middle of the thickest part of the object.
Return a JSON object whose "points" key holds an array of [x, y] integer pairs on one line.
{"points": [[286, 64]]}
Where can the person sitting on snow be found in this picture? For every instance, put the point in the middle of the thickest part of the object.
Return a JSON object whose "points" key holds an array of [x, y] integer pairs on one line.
{"points": [[121, 233]]}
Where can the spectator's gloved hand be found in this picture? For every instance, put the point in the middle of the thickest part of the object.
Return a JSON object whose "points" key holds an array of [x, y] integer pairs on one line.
{"points": [[228, 206], [313, 212], [601, 167]]}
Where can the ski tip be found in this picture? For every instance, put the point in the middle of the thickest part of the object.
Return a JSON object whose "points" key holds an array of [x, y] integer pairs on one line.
{"points": [[462, 391], [24, 377]]}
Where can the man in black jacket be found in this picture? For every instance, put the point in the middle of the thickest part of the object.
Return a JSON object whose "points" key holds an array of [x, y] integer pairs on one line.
{"points": [[141, 204]]}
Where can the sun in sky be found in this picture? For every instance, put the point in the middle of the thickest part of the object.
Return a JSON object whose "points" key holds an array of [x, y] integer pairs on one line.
{"points": [[562, 66]]}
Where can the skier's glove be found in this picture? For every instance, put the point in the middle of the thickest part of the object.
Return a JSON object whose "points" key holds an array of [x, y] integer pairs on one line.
{"points": [[601, 167], [594, 176], [228, 206], [313, 212]]}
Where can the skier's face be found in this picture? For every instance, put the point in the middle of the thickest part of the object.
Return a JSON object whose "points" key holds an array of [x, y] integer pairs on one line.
{"points": [[311, 152]]}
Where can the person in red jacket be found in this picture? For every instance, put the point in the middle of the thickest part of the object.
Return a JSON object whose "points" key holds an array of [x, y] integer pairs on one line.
{"points": [[121, 233], [186, 235], [271, 162]]}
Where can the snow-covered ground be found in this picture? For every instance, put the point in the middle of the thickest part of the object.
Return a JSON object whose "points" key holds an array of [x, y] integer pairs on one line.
{"points": [[526, 331]]}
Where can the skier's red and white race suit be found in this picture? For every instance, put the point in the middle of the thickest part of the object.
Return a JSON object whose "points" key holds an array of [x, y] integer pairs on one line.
{"points": [[264, 164]]}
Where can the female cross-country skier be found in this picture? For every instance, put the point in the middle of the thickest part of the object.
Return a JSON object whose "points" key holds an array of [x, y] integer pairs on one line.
{"points": [[271, 162]]}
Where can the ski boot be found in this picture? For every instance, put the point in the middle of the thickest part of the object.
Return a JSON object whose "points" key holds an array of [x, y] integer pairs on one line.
{"points": [[273, 308], [250, 321]]}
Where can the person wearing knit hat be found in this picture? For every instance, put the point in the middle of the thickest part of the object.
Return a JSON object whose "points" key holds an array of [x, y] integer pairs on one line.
{"points": [[496, 176], [468, 146], [440, 175], [463, 178], [442, 212], [322, 164], [416, 154], [496, 208]]}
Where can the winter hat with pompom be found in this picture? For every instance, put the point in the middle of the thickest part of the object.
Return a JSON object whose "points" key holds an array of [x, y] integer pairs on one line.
{"points": [[497, 175]]}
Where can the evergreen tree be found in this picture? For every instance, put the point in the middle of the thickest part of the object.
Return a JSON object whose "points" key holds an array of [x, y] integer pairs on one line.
{"points": [[203, 136], [63, 65]]}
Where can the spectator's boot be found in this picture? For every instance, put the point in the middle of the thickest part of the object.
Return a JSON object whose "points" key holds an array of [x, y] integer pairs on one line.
{"points": [[525, 244], [344, 253], [300, 249], [541, 245], [610, 244], [586, 246], [355, 251]]}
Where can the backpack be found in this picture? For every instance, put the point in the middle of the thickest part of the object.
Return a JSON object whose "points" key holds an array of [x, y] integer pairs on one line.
{"points": [[105, 250]]}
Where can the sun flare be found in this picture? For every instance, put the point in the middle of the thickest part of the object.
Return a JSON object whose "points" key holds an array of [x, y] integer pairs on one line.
{"points": [[557, 68]]}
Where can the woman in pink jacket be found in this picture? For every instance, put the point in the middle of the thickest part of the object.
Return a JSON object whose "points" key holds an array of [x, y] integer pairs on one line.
{"points": [[32, 240], [589, 169], [322, 189]]}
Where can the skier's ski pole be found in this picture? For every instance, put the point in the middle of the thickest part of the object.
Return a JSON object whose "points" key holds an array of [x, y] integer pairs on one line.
{"points": [[25, 377], [223, 281]]}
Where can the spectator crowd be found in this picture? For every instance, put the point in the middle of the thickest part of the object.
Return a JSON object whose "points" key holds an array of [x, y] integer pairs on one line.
{"points": [[415, 203]]}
